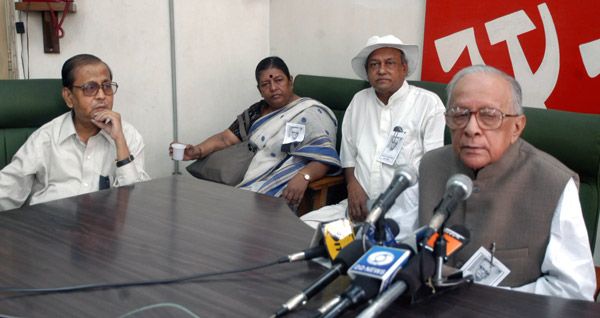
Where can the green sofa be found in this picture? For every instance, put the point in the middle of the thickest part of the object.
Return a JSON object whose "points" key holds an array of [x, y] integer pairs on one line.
{"points": [[25, 105], [573, 138]]}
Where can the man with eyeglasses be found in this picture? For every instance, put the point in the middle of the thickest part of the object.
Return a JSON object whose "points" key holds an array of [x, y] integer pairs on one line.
{"points": [[389, 125], [524, 202], [87, 149]]}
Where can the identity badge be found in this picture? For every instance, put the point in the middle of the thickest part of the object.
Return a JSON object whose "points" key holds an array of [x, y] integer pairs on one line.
{"points": [[486, 269], [293, 133], [393, 146]]}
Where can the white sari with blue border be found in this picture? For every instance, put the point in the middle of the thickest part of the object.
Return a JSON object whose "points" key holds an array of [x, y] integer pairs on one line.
{"points": [[274, 163]]}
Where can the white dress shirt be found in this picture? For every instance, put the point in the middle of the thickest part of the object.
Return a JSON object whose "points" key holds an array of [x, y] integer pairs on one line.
{"points": [[366, 129], [54, 163]]}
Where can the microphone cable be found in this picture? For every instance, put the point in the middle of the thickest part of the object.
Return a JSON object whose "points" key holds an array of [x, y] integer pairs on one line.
{"points": [[25, 292]]}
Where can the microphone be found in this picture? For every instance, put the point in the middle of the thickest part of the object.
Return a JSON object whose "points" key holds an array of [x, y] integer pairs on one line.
{"points": [[307, 254], [331, 238], [362, 288], [384, 300], [344, 259], [337, 235], [411, 278], [458, 188], [374, 271], [419, 269], [349, 252], [456, 237], [384, 235], [403, 178]]}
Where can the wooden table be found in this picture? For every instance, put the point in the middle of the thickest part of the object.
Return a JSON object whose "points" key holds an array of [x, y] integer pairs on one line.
{"points": [[154, 230], [179, 226]]}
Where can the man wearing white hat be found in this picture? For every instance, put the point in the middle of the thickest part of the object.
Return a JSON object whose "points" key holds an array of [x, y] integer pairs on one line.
{"points": [[386, 126]]}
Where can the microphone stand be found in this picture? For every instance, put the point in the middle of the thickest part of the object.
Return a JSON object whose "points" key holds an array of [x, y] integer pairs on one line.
{"points": [[380, 235], [439, 252]]}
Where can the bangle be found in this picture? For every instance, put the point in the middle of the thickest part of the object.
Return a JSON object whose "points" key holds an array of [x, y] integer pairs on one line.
{"points": [[125, 161]]}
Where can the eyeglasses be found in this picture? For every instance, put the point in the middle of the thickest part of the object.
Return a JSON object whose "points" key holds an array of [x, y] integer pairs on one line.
{"points": [[487, 117], [91, 88], [376, 65]]}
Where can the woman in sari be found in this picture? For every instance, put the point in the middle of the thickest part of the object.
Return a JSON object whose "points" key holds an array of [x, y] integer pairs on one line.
{"points": [[295, 137]]}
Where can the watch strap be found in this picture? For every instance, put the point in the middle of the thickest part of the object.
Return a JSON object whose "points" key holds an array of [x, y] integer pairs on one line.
{"points": [[125, 161], [306, 176]]}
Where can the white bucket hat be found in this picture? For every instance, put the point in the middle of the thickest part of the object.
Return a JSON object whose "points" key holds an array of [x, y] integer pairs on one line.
{"points": [[375, 42]]}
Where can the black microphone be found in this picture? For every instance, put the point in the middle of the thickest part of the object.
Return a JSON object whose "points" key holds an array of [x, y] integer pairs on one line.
{"points": [[456, 237], [403, 178], [347, 256], [329, 238], [307, 254], [419, 269], [338, 304], [349, 253], [458, 188], [362, 288], [383, 234], [374, 271], [411, 278]]}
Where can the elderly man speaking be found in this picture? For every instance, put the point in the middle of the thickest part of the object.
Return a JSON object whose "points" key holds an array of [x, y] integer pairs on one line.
{"points": [[524, 212], [385, 126]]}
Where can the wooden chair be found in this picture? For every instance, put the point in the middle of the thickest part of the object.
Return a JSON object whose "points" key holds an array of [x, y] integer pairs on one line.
{"points": [[322, 192], [597, 283]]}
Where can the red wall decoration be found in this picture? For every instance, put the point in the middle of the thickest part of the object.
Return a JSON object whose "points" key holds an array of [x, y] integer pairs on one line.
{"points": [[551, 47]]}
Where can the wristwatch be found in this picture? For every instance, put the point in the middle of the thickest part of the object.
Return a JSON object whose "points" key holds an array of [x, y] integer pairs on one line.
{"points": [[125, 161], [305, 175]]}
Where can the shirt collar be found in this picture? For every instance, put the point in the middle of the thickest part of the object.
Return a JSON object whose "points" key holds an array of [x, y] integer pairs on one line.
{"points": [[398, 96], [67, 129]]}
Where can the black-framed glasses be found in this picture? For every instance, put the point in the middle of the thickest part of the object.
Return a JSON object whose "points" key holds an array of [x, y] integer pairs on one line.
{"points": [[91, 88], [487, 117]]}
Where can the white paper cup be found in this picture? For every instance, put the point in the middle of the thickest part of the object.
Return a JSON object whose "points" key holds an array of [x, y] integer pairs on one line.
{"points": [[178, 150]]}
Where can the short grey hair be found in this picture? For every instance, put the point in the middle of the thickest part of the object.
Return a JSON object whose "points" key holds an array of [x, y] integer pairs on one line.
{"points": [[517, 95]]}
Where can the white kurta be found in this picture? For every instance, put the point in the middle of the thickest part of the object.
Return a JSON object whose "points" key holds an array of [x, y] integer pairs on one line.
{"points": [[568, 265], [366, 130]]}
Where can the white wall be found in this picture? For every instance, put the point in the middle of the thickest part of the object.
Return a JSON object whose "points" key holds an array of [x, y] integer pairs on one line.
{"points": [[321, 37], [218, 44]]}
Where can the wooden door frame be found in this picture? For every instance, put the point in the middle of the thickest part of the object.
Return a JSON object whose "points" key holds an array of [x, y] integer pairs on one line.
{"points": [[8, 49]]}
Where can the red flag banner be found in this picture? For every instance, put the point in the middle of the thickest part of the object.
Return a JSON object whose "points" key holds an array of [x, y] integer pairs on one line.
{"points": [[551, 47]]}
